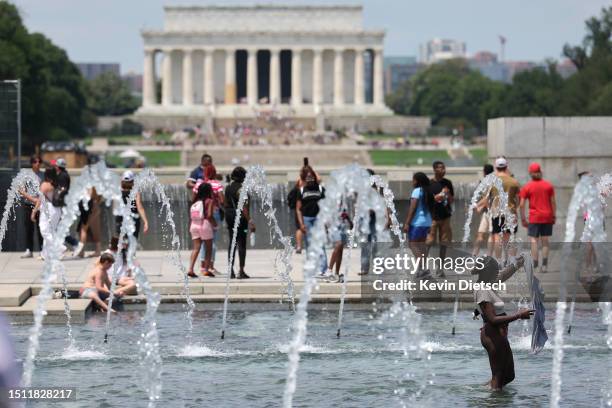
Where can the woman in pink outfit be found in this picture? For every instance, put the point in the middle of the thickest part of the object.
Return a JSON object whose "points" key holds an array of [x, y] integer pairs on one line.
{"points": [[202, 228]]}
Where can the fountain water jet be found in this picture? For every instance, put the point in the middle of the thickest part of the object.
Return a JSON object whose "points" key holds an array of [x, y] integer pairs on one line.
{"points": [[26, 180], [347, 181], [256, 182], [94, 176]]}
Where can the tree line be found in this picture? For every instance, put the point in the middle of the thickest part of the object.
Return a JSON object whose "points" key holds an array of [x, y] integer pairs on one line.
{"points": [[57, 102], [454, 95]]}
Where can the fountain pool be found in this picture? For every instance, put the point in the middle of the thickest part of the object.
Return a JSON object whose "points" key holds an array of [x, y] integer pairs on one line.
{"points": [[360, 369]]}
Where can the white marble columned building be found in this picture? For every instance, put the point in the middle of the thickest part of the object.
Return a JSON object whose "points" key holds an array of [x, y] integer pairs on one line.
{"points": [[231, 61]]}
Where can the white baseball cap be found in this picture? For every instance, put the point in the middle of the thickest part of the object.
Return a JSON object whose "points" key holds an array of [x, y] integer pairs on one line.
{"points": [[127, 176], [60, 162], [501, 163]]}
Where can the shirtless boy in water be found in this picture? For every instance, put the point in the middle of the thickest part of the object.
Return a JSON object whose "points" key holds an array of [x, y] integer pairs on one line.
{"points": [[97, 284]]}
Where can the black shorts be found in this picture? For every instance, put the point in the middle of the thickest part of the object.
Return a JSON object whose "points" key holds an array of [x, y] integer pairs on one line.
{"points": [[539, 230], [497, 225]]}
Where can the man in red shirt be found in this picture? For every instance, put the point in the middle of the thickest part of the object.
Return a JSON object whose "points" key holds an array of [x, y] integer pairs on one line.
{"points": [[542, 209]]}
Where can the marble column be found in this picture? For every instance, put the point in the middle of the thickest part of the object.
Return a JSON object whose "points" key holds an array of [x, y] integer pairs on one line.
{"points": [[378, 77], [209, 82], [148, 79], [275, 78], [317, 78], [339, 77], [230, 76], [167, 98], [187, 77], [359, 77], [252, 77], [296, 77]]}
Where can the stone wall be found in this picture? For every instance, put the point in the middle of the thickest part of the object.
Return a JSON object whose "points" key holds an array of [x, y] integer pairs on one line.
{"points": [[564, 146]]}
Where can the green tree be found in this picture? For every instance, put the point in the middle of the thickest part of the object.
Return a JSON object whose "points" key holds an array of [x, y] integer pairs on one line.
{"points": [[109, 95], [52, 86]]}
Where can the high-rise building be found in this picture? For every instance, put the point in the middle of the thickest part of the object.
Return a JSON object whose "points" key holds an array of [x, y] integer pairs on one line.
{"points": [[440, 50], [398, 70], [134, 82], [486, 62], [91, 71]]}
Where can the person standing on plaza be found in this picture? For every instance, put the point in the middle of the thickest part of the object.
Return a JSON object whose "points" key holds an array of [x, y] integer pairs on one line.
{"points": [[419, 220], [136, 208], [30, 225], [540, 194], [202, 228], [484, 228], [307, 209], [89, 223], [50, 214], [292, 201], [62, 182], [443, 194], [500, 227], [198, 173], [245, 223]]}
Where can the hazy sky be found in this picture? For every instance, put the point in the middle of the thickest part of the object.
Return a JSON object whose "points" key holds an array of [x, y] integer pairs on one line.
{"points": [[109, 30]]}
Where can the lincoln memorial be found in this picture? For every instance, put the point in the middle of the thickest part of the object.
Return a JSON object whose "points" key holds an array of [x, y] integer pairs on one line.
{"points": [[233, 61]]}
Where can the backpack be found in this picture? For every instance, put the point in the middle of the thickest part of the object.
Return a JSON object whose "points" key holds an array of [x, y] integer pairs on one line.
{"points": [[292, 198], [58, 199], [196, 212]]}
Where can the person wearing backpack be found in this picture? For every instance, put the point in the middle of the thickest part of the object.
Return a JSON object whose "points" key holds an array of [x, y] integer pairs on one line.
{"points": [[202, 228], [292, 201], [307, 209]]}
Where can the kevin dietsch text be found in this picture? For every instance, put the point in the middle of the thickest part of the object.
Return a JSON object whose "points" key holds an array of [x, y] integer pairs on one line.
{"points": [[427, 285]]}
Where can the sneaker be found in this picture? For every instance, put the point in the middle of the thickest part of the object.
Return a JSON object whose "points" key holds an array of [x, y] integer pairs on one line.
{"points": [[341, 278], [325, 275], [232, 275], [27, 254], [243, 275], [333, 279]]}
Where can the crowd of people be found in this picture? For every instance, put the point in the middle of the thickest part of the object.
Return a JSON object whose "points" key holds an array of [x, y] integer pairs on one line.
{"points": [[427, 223]]}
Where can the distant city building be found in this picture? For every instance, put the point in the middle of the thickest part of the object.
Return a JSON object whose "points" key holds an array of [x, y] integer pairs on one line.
{"points": [[91, 71], [437, 50], [134, 82], [398, 70], [486, 62]]}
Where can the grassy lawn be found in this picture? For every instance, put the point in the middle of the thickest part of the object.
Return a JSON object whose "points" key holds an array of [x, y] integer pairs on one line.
{"points": [[406, 157], [154, 159], [479, 154]]}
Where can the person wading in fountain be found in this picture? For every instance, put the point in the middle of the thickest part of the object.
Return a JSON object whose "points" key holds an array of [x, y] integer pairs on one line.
{"points": [[202, 228], [494, 332], [137, 209], [97, 284], [542, 213], [484, 228], [441, 211], [418, 221], [232, 196], [307, 208]]}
